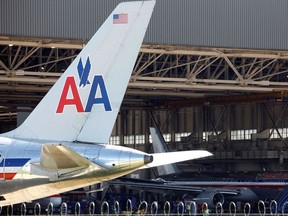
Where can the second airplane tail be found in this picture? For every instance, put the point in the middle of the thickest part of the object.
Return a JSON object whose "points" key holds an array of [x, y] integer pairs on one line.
{"points": [[165, 159], [160, 146], [84, 103]]}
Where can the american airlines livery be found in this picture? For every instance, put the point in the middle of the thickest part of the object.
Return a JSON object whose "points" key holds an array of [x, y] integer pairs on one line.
{"points": [[61, 145]]}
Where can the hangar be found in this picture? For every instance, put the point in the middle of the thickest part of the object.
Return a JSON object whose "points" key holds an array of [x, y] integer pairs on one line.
{"points": [[210, 75]]}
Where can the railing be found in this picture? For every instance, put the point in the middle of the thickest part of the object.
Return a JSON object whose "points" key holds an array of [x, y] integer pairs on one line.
{"points": [[187, 209]]}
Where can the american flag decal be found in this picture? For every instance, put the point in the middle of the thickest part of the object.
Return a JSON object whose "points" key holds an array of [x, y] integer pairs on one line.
{"points": [[120, 18]]}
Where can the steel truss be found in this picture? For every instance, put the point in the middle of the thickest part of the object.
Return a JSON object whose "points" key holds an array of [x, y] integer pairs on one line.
{"points": [[28, 68]]}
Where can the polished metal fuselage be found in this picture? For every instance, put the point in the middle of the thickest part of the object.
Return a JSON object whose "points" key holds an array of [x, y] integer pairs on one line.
{"points": [[107, 162]]}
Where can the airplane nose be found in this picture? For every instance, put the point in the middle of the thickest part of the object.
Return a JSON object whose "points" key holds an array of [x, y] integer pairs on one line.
{"points": [[148, 159]]}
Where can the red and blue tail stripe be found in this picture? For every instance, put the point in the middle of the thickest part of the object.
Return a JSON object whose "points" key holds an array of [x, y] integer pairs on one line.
{"points": [[10, 166]]}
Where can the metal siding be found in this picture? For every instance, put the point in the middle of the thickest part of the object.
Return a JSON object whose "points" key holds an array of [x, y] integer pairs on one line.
{"points": [[258, 24]]}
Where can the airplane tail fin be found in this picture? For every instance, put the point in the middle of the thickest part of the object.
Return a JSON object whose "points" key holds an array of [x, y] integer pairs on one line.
{"points": [[160, 146], [84, 103]]}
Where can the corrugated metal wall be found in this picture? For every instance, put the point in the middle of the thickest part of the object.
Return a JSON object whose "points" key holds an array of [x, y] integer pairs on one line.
{"points": [[260, 24]]}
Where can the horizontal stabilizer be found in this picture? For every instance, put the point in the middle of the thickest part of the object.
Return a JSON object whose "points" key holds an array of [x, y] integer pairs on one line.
{"points": [[174, 157]]}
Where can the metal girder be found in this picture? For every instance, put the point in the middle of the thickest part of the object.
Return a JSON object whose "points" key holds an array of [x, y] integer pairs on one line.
{"points": [[45, 43], [161, 71], [228, 99], [206, 51], [233, 74], [157, 49]]}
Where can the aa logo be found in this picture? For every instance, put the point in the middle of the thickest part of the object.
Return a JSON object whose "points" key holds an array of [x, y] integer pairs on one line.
{"points": [[70, 94]]}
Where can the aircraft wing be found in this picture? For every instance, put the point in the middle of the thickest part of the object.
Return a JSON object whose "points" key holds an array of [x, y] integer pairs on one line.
{"points": [[152, 185], [210, 195], [159, 185], [18, 191], [57, 162]]}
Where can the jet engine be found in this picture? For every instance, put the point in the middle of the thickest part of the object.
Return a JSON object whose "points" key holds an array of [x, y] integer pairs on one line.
{"points": [[210, 197]]}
